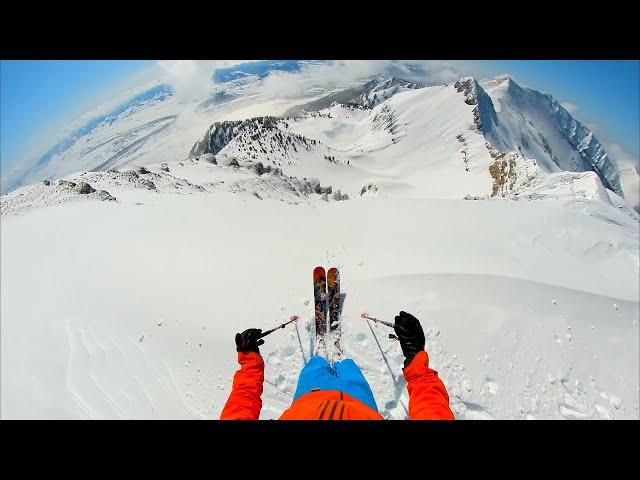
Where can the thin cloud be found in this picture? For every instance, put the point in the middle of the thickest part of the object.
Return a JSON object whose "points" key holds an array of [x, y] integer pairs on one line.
{"points": [[629, 166], [190, 79], [193, 79], [570, 107], [594, 127], [345, 73]]}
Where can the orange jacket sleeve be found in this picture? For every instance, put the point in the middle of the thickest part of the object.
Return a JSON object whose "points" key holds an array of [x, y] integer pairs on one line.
{"points": [[244, 402], [428, 397]]}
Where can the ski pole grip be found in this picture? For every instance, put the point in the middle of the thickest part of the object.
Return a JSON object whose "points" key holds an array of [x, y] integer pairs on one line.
{"points": [[264, 334]]}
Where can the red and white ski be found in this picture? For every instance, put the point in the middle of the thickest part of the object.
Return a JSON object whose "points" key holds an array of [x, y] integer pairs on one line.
{"points": [[320, 299], [333, 300]]}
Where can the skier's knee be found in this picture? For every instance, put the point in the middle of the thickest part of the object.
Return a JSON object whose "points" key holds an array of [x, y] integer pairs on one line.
{"points": [[317, 360], [347, 365]]}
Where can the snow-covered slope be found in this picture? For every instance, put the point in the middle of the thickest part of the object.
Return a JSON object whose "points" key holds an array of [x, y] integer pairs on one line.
{"points": [[408, 145], [530, 308]]}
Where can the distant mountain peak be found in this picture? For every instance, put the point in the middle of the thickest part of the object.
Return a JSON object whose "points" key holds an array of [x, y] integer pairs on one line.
{"points": [[389, 81], [537, 126], [503, 78], [367, 95]]}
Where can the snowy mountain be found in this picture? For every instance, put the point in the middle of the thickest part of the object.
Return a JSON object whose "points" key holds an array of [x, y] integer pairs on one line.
{"points": [[152, 126], [259, 69], [367, 95], [442, 141], [107, 138], [155, 126], [483, 209], [536, 125]]}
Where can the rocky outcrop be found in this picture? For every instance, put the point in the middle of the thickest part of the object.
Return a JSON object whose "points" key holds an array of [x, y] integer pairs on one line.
{"points": [[84, 188], [106, 196], [258, 168], [484, 114], [209, 158], [369, 189], [221, 133], [264, 139], [66, 184]]}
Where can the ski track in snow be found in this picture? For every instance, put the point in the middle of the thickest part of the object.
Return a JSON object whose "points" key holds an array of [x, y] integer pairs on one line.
{"points": [[512, 381]]}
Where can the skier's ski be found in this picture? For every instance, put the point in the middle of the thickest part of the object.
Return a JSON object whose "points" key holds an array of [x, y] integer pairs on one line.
{"points": [[320, 297], [335, 327], [333, 289]]}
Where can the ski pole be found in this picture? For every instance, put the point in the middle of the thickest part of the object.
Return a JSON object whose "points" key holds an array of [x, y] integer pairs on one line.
{"points": [[292, 319], [388, 324]]}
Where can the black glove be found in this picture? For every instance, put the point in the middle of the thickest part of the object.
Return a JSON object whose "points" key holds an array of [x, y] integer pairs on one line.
{"points": [[410, 334], [249, 340]]}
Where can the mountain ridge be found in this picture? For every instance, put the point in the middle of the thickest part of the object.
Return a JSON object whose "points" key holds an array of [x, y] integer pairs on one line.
{"points": [[511, 117], [533, 139]]}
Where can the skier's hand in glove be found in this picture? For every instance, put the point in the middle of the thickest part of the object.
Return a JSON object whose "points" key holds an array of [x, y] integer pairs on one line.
{"points": [[411, 336], [249, 340]]}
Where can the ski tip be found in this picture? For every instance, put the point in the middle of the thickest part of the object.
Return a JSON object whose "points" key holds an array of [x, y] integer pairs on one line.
{"points": [[333, 275], [318, 270]]}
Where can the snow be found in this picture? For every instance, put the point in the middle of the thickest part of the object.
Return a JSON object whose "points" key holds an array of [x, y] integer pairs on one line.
{"points": [[127, 308], [135, 303]]}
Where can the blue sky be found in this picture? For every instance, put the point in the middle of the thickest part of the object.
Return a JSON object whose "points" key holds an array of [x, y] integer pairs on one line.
{"points": [[39, 98]]}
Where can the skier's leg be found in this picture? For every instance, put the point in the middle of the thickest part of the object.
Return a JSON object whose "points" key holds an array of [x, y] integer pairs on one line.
{"points": [[352, 382], [316, 375]]}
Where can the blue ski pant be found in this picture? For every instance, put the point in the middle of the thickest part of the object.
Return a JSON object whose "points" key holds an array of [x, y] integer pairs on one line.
{"points": [[344, 376]]}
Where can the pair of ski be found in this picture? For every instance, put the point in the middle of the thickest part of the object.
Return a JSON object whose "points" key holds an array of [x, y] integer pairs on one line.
{"points": [[326, 294]]}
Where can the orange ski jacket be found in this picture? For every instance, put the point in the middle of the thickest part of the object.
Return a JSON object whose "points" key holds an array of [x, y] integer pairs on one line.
{"points": [[428, 397]]}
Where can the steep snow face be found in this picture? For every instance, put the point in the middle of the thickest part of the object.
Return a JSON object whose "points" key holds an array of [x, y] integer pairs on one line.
{"points": [[537, 126]]}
